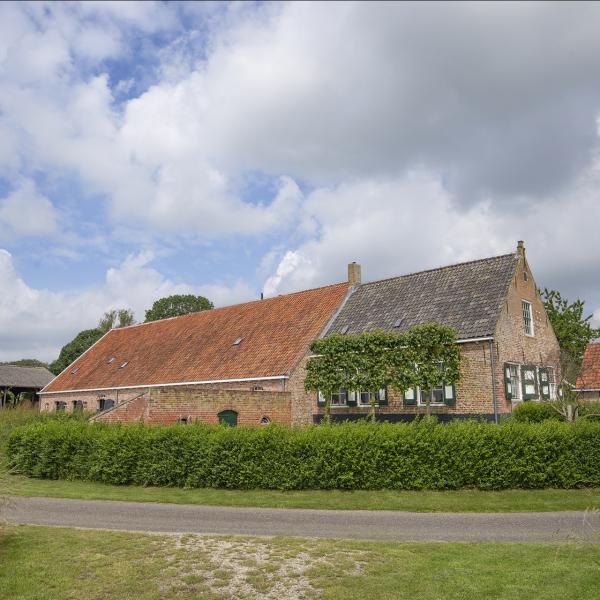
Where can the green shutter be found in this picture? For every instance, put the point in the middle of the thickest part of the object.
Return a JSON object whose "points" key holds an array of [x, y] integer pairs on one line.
{"points": [[544, 383], [320, 399], [351, 398], [450, 395], [508, 391], [410, 397], [529, 382], [382, 398]]}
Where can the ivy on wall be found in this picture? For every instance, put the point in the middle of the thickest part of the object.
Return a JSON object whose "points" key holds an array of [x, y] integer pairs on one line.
{"points": [[421, 357]]}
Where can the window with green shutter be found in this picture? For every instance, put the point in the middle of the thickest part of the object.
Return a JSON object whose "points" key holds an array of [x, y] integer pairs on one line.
{"points": [[450, 395], [529, 382], [508, 387], [544, 377], [410, 398]]}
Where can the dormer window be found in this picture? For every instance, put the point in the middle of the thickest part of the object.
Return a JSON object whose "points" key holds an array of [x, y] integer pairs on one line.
{"points": [[527, 317], [124, 364], [74, 371], [238, 341]]}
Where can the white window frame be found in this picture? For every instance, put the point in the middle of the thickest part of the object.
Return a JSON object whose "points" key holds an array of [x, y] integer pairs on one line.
{"points": [[341, 392], [527, 312], [518, 387], [359, 401], [432, 403]]}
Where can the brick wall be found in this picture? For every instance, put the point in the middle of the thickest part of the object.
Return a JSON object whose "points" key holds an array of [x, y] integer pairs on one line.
{"points": [[201, 403], [512, 344]]}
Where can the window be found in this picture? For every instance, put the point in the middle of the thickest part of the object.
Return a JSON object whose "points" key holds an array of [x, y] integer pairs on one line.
{"points": [[184, 420], [74, 371], [237, 341], [527, 317], [365, 398], [525, 276], [433, 396], [257, 388], [122, 366], [105, 403], [529, 382], [339, 398], [552, 383], [60, 405], [77, 405], [265, 421], [513, 380]]}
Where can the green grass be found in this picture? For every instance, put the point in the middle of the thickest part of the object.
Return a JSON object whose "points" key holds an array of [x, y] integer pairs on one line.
{"points": [[420, 501], [41, 563]]}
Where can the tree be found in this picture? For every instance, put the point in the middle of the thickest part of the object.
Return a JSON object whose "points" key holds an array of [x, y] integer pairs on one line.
{"points": [[114, 319], [177, 305], [26, 362], [573, 331], [420, 357], [75, 348]]}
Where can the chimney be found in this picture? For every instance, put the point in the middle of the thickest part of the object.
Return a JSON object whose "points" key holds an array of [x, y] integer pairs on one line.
{"points": [[354, 274], [521, 248]]}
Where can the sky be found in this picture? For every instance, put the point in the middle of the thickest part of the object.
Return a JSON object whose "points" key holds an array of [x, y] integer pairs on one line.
{"points": [[229, 149]]}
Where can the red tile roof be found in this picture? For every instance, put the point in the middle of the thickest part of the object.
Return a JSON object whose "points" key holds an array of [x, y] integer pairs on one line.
{"points": [[589, 378], [275, 333]]}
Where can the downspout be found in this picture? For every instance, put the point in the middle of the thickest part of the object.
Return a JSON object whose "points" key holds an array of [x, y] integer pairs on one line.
{"points": [[493, 364]]}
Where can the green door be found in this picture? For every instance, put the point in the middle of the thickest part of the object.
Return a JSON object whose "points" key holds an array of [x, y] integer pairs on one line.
{"points": [[228, 417]]}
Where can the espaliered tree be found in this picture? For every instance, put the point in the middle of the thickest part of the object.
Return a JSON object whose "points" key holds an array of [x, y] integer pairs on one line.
{"points": [[422, 357]]}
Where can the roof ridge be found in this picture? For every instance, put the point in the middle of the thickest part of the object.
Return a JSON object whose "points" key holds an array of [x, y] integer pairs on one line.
{"points": [[322, 287], [459, 264]]}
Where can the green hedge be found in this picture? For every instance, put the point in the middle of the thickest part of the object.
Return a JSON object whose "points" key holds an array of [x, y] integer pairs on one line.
{"points": [[419, 455], [535, 412]]}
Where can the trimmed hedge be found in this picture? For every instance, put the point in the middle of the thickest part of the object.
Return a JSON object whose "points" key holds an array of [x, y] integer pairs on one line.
{"points": [[535, 412], [418, 455]]}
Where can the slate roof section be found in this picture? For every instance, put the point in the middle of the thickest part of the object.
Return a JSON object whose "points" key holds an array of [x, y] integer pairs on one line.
{"points": [[24, 377], [589, 377], [274, 333], [466, 296]]}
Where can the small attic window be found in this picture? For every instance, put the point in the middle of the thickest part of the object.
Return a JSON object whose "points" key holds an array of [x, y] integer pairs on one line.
{"points": [[398, 322], [525, 276], [238, 341], [124, 364], [111, 360], [344, 329], [74, 371]]}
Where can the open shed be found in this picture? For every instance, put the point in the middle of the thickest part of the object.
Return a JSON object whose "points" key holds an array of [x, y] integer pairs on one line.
{"points": [[22, 379]]}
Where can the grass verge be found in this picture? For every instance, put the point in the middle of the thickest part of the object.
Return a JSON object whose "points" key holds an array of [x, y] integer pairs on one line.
{"points": [[51, 563], [419, 501]]}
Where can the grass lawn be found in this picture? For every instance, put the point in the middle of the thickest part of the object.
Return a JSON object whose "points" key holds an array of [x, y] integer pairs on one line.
{"points": [[45, 563], [421, 501]]}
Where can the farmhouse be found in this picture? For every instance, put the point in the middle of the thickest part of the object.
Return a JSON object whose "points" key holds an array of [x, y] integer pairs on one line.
{"points": [[245, 364], [588, 382]]}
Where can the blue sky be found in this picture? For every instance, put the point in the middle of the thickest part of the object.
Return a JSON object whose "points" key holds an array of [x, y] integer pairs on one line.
{"points": [[232, 148]]}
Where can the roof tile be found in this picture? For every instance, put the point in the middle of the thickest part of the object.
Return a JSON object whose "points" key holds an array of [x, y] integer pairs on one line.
{"points": [[200, 347], [589, 377], [465, 296]]}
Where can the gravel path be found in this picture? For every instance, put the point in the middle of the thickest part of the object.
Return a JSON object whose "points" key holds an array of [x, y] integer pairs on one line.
{"points": [[347, 524]]}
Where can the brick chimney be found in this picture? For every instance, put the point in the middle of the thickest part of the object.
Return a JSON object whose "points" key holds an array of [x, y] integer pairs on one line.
{"points": [[354, 273], [521, 248]]}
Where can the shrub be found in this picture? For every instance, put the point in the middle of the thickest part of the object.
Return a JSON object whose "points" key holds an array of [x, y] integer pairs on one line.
{"points": [[418, 455], [535, 412]]}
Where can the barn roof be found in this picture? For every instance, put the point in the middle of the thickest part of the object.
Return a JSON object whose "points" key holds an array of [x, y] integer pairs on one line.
{"points": [[589, 377], [24, 377], [465, 296], [264, 338]]}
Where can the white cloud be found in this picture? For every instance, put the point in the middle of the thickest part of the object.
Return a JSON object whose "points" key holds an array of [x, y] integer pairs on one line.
{"points": [[37, 323], [25, 212], [401, 225]]}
